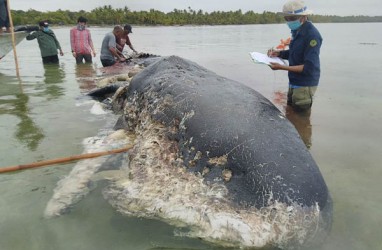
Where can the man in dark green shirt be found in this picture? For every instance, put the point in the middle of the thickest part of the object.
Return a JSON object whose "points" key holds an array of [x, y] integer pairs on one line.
{"points": [[47, 42]]}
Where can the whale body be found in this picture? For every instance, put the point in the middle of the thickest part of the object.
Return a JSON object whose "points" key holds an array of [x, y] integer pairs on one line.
{"points": [[232, 140], [216, 158]]}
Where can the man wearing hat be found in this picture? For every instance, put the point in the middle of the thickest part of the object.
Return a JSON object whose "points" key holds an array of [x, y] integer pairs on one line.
{"points": [[47, 42], [125, 39], [303, 56]]}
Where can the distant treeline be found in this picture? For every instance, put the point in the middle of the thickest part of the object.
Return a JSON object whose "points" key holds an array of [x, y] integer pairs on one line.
{"points": [[107, 15]]}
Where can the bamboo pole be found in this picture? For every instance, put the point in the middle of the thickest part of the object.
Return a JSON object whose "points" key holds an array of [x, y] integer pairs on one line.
{"points": [[13, 39], [63, 160]]}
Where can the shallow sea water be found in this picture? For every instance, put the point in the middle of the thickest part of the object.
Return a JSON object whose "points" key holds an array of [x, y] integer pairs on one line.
{"points": [[45, 115]]}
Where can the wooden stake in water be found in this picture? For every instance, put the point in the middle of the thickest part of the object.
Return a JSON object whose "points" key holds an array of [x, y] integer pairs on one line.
{"points": [[13, 39], [63, 160]]}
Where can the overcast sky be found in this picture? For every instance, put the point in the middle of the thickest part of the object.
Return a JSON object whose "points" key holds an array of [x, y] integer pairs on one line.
{"points": [[321, 7]]}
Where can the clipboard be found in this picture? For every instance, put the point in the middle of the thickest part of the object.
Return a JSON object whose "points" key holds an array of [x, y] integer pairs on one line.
{"points": [[264, 59]]}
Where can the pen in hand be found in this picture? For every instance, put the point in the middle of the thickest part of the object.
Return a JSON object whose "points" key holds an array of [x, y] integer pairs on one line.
{"points": [[273, 53], [269, 53]]}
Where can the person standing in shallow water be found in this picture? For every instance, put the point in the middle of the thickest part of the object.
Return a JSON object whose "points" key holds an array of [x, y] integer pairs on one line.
{"points": [[47, 42], [303, 56], [81, 42], [4, 18]]}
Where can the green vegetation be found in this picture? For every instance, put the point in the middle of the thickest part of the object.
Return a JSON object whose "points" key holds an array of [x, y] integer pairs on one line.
{"points": [[107, 15]]}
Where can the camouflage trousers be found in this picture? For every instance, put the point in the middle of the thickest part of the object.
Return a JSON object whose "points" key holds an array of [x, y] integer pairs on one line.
{"points": [[301, 99]]}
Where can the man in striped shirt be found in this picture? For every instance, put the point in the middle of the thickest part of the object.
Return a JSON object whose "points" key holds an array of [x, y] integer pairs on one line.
{"points": [[81, 42]]}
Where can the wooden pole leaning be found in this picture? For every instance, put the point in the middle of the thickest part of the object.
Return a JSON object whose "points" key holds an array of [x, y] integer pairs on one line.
{"points": [[13, 39], [63, 160]]}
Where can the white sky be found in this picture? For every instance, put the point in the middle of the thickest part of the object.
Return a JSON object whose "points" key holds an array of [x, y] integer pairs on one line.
{"points": [[321, 7]]}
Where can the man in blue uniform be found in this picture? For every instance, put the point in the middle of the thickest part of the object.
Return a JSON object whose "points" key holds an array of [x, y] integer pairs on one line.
{"points": [[303, 56]]}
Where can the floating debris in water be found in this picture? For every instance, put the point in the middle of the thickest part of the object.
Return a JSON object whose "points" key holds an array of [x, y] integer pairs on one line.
{"points": [[368, 43]]}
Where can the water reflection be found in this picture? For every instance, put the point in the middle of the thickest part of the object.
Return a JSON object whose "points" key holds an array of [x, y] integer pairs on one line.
{"points": [[53, 76], [14, 102], [301, 121], [27, 131], [85, 74]]}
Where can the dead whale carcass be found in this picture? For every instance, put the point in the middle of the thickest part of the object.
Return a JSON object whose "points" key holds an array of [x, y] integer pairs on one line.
{"points": [[218, 158]]}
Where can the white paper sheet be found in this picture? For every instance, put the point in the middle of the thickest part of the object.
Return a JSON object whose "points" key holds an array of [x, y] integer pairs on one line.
{"points": [[263, 58]]}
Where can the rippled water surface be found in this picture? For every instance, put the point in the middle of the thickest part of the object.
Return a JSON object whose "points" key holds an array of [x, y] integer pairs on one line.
{"points": [[45, 115]]}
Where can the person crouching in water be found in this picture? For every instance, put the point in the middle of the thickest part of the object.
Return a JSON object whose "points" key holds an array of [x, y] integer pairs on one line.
{"points": [[47, 42], [121, 42], [81, 42], [109, 54]]}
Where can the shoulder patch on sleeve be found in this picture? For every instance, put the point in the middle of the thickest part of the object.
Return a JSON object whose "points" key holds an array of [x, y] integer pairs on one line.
{"points": [[313, 43]]}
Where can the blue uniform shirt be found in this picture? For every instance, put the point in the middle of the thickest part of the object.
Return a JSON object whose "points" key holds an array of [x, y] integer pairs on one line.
{"points": [[304, 49]]}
